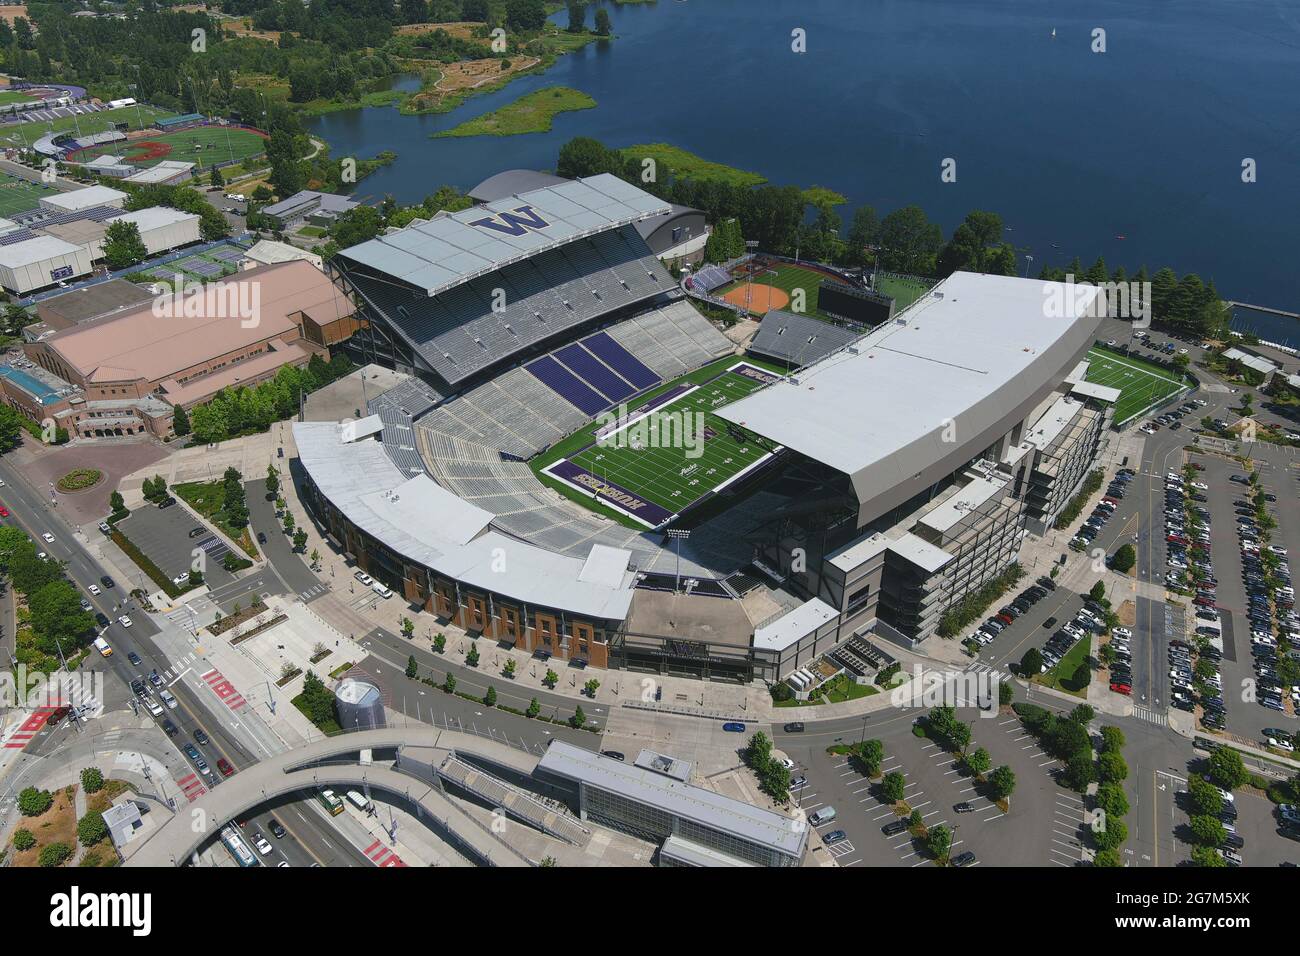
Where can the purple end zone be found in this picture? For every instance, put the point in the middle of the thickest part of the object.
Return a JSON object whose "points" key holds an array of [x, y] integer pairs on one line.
{"points": [[756, 373], [610, 493]]}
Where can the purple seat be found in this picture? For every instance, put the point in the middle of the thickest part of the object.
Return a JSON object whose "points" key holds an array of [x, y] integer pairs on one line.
{"points": [[589, 369], [620, 360], [550, 373]]}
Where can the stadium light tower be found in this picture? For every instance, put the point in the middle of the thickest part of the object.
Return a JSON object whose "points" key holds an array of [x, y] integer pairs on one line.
{"points": [[678, 535]]}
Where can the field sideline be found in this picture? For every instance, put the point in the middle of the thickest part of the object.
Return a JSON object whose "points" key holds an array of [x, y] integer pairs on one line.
{"points": [[1141, 384]]}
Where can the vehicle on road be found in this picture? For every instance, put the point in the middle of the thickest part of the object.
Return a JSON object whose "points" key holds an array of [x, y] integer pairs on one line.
{"points": [[733, 727]]}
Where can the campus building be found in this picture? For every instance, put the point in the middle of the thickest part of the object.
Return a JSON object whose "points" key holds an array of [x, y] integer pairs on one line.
{"points": [[131, 366], [653, 799]]}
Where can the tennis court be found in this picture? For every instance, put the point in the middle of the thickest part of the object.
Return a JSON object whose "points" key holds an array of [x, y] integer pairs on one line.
{"points": [[670, 452], [1141, 384]]}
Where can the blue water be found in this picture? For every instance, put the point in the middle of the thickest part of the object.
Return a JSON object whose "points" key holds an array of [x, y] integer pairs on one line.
{"points": [[1073, 148], [33, 386]]}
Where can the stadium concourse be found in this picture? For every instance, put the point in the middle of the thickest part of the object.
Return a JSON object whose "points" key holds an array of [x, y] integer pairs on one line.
{"points": [[512, 482]]}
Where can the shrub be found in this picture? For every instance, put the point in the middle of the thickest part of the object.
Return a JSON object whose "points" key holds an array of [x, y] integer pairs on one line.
{"points": [[54, 854], [23, 840], [91, 828], [92, 781], [33, 802]]}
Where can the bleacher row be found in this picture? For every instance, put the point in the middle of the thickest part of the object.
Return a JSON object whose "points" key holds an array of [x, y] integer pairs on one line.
{"points": [[461, 442], [522, 413], [398, 408], [458, 333], [710, 278]]}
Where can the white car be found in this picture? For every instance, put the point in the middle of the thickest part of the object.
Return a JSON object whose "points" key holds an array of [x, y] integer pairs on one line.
{"points": [[1121, 632], [364, 578], [1200, 486], [1281, 744], [181, 579], [93, 589], [168, 699], [49, 538], [263, 845], [152, 706], [383, 590], [124, 621], [787, 763]]}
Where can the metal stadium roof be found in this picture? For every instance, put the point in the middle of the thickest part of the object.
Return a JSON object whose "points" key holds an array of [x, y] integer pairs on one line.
{"points": [[437, 255], [940, 374]]}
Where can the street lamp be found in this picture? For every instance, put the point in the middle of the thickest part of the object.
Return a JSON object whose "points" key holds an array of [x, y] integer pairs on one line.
{"points": [[678, 535]]}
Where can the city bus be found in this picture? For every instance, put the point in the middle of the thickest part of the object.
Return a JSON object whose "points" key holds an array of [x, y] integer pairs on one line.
{"points": [[238, 848], [330, 802]]}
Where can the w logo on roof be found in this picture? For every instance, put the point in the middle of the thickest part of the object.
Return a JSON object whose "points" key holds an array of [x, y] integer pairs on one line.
{"points": [[513, 223]]}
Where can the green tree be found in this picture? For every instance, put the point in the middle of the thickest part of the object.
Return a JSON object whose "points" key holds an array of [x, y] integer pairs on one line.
{"points": [[1226, 769], [1098, 592], [603, 27], [591, 687], [412, 668], [579, 719], [1125, 558], [215, 178], [33, 802], [550, 679], [1031, 663], [1111, 800], [449, 685], [299, 539], [758, 754], [1002, 782], [1208, 831], [1079, 771], [54, 854], [122, 245], [288, 523], [439, 643], [272, 480], [871, 754], [57, 617], [92, 781], [1207, 857], [577, 16], [978, 761], [977, 246], [1107, 858], [534, 708], [1082, 714], [892, 786], [938, 841], [91, 828], [1004, 692], [509, 669], [490, 698], [1111, 768], [471, 656], [909, 241], [23, 839], [1111, 836], [11, 429], [180, 422]]}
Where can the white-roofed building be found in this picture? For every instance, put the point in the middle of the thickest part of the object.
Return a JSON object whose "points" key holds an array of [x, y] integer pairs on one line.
{"points": [[914, 442], [78, 199], [168, 172], [41, 262], [266, 252], [442, 551]]}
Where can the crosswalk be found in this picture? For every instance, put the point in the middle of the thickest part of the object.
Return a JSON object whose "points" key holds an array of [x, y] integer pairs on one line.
{"points": [[192, 787], [312, 592], [380, 855], [224, 689], [1151, 716]]}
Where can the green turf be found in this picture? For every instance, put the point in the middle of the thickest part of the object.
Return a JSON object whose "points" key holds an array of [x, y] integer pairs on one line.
{"points": [[204, 145], [24, 134], [10, 96], [656, 473], [1141, 384], [788, 278], [18, 195], [903, 291]]}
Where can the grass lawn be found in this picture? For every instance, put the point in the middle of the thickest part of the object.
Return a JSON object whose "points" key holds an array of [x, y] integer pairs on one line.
{"points": [[1062, 675], [204, 145], [134, 118], [14, 96], [531, 113], [208, 498], [903, 291], [788, 278], [19, 196], [311, 232], [325, 727], [1141, 384], [691, 166]]}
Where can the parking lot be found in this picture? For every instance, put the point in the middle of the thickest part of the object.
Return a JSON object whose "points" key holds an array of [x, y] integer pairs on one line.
{"points": [[1043, 826], [164, 535]]}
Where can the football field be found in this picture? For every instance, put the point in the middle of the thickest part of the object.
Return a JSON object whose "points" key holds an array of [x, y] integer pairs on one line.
{"points": [[204, 145], [1141, 384], [667, 454]]}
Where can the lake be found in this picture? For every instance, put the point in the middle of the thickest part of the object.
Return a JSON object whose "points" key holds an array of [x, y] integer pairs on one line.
{"points": [[1134, 154]]}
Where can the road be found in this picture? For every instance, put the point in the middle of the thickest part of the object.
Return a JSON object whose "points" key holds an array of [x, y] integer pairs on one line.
{"points": [[35, 516]]}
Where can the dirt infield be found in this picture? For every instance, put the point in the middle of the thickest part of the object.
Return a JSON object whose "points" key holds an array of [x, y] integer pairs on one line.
{"points": [[757, 297]]}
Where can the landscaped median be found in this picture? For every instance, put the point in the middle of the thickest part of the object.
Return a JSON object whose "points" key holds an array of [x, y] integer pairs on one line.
{"points": [[223, 503]]}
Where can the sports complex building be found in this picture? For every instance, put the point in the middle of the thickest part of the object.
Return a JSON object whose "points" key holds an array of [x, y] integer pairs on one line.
{"points": [[580, 464]]}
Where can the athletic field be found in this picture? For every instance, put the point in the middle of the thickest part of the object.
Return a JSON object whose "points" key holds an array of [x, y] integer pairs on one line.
{"points": [[18, 195], [667, 452], [204, 145], [24, 134], [903, 291], [784, 279], [1141, 384]]}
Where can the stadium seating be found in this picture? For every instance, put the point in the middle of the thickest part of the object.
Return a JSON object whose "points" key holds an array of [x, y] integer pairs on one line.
{"points": [[620, 360], [593, 372], [710, 278], [398, 408], [458, 333]]}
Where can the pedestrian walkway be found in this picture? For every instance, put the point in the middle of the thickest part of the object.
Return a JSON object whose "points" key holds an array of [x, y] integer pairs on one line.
{"points": [[1151, 716], [224, 689]]}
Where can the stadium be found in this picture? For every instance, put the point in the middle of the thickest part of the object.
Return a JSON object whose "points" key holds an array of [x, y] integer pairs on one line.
{"points": [[578, 463]]}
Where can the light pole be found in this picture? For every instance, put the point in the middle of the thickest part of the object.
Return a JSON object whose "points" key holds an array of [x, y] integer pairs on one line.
{"points": [[678, 535]]}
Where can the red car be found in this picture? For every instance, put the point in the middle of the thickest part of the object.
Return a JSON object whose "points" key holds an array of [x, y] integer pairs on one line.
{"points": [[1176, 538], [4, 512], [1204, 602], [224, 766], [1121, 688], [1005, 618]]}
